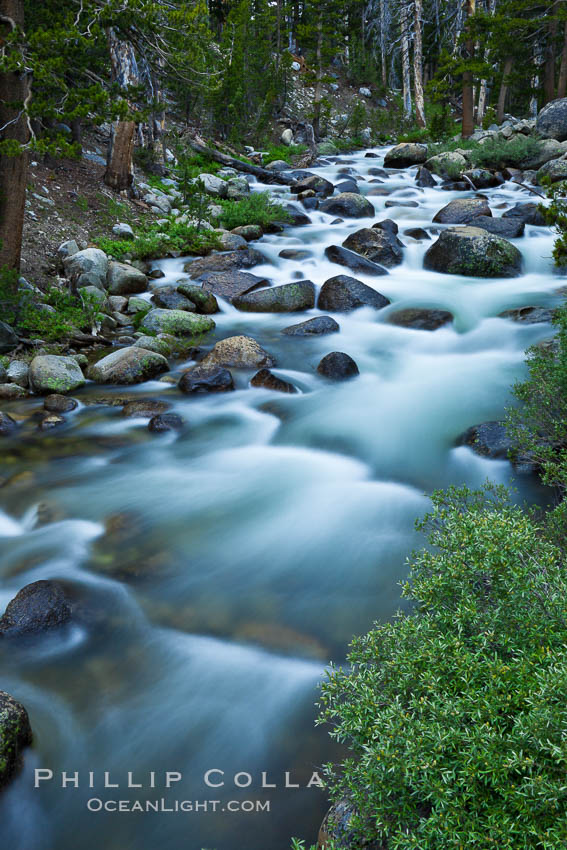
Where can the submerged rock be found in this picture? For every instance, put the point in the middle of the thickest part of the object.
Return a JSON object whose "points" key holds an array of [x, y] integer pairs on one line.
{"points": [[57, 403], [473, 252], [240, 352], [206, 379], [268, 381], [529, 315], [288, 298], [488, 439], [130, 365], [342, 293], [7, 425], [423, 319], [165, 422], [51, 373], [355, 262], [337, 366], [144, 407], [312, 327], [15, 735]]}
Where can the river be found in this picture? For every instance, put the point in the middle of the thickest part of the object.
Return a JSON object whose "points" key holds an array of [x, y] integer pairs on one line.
{"points": [[243, 553]]}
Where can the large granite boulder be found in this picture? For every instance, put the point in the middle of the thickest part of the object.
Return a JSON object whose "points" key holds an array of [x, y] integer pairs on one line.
{"points": [[552, 120], [353, 261], [473, 252], [239, 352], [123, 279], [230, 284], [231, 261], [87, 268], [449, 165], [288, 298]]}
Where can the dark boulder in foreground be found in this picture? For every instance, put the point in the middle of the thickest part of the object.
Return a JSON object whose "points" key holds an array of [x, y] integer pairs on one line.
{"points": [[343, 293], [508, 228], [552, 120], [348, 205], [488, 439], [38, 607], [528, 212], [288, 298], [378, 244], [462, 211], [15, 735], [337, 366]]}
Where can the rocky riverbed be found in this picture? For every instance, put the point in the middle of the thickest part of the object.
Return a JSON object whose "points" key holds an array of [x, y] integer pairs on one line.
{"points": [[199, 511]]}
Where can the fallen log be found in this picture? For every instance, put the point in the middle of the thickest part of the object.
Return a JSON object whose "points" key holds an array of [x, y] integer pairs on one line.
{"points": [[263, 174]]}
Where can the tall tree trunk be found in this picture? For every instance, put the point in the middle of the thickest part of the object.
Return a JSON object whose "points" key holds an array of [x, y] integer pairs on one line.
{"points": [[483, 90], [406, 82], [383, 43], [504, 87], [14, 94], [549, 67], [562, 82], [319, 77], [468, 91], [119, 173], [536, 88], [418, 65]]}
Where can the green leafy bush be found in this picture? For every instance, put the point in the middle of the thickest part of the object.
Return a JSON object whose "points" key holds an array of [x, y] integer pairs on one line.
{"points": [[53, 317], [285, 152], [158, 240], [257, 208], [456, 713]]}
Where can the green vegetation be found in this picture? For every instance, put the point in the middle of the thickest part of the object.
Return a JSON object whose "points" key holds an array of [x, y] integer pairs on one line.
{"points": [[493, 153], [52, 316], [285, 152], [258, 208], [158, 240], [455, 714]]}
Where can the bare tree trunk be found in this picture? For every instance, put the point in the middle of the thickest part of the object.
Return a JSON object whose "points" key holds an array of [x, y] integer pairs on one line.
{"points": [[318, 82], [504, 87], [549, 67], [562, 82], [483, 91], [538, 61], [383, 43], [418, 65], [406, 83], [468, 91], [119, 168], [119, 173], [14, 94]]}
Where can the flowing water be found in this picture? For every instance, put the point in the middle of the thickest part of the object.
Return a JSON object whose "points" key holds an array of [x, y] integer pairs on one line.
{"points": [[242, 554]]}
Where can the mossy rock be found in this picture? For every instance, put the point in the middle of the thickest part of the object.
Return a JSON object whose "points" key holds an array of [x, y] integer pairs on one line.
{"points": [[473, 252], [177, 323], [15, 734]]}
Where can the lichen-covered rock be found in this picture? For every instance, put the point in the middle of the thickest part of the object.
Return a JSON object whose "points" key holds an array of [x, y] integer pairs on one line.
{"points": [[169, 298], [38, 607], [449, 165], [473, 252], [205, 302], [216, 187], [15, 735], [249, 231], [52, 373], [481, 178], [288, 298], [230, 284], [123, 279], [240, 352], [348, 205], [554, 170], [130, 365], [546, 150], [177, 322], [380, 245], [154, 343], [11, 391], [462, 211], [552, 119], [405, 154], [342, 293], [87, 268]]}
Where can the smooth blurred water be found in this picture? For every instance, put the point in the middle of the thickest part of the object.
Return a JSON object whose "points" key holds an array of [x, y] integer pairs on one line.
{"points": [[221, 569]]}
